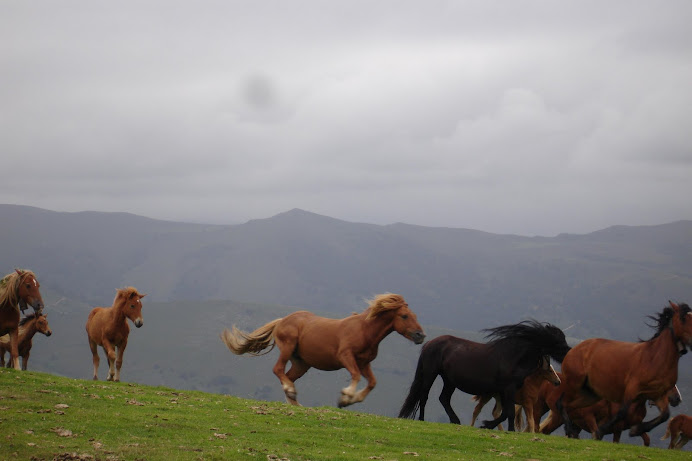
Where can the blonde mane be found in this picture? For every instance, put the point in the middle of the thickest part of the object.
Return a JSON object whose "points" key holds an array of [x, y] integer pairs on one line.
{"points": [[9, 286], [383, 303]]}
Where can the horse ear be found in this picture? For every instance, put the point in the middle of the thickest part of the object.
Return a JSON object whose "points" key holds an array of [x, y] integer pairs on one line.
{"points": [[18, 271], [673, 305], [142, 296]]}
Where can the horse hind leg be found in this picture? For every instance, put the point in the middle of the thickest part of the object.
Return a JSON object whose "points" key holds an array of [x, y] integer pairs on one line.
{"points": [[298, 369], [285, 352], [446, 400], [95, 359]]}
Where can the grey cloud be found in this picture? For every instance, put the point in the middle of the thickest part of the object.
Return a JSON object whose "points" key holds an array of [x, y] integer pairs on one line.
{"points": [[528, 116]]}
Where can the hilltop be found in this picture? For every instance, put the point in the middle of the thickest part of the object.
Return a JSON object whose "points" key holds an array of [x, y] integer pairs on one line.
{"points": [[48, 417]]}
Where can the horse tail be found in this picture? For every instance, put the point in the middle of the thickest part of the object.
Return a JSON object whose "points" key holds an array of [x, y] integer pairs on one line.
{"points": [[240, 342], [420, 387], [667, 434]]}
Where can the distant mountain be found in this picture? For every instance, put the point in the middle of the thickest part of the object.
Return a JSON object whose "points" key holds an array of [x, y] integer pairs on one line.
{"points": [[600, 284]]}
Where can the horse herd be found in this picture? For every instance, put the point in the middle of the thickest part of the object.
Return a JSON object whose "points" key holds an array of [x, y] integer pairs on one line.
{"points": [[603, 386]]}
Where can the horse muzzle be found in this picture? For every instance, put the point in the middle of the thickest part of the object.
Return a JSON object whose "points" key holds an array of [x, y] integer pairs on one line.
{"points": [[48, 333], [139, 323], [417, 337]]}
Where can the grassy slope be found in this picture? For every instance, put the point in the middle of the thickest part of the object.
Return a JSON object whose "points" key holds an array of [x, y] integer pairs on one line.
{"points": [[123, 421]]}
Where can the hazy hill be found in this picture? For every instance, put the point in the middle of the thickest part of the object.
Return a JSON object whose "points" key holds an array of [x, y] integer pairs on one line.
{"points": [[603, 283]]}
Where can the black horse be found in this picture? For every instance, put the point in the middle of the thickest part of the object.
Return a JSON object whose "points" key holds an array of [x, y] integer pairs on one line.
{"points": [[498, 367]]}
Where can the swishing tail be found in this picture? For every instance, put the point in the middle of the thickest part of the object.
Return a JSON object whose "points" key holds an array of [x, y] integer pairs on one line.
{"points": [[255, 343], [419, 387], [667, 434]]}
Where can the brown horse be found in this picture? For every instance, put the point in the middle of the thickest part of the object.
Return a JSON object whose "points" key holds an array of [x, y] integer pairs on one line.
{"points": [[107, 327], [28, 327], [525, 397], [588, 418], [626, 373], [679, 430], [307, 340], [17, 290]]}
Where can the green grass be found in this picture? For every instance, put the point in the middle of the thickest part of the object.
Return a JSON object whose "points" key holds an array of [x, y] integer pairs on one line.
{"points": [[43, 416]]}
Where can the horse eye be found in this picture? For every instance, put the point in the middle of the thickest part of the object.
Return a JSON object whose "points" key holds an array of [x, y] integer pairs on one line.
{"points": [[404, 316], [132, 306]]}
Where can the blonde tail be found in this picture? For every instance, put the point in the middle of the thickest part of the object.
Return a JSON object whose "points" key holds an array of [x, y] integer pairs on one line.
{"points": [[255, 343]]}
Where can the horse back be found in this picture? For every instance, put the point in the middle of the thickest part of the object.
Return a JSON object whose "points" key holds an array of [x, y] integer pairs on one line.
{"points": [[608, 366]]}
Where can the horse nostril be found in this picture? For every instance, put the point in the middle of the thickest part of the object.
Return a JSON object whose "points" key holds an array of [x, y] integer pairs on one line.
{"points": [[48, 333]]}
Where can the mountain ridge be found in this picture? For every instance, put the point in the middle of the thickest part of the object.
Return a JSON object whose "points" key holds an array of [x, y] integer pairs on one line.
{"points": [[462, 278]]}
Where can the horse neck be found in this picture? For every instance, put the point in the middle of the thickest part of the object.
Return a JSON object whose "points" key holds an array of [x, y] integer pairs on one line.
{"points": [[378, 328], [117, 313], [664, 352], [27, 331]]}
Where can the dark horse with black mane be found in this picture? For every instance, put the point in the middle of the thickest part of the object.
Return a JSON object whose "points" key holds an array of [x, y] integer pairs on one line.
{"points": [[497, 367]]}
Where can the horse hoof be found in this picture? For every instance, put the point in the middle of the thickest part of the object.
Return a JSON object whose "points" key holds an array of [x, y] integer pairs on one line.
{"points": [[344, 401]]}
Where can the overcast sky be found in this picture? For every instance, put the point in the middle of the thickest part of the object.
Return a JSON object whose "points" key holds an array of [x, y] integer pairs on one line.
{"points": [[527, 117]]}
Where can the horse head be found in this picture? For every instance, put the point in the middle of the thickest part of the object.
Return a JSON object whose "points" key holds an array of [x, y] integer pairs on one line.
{"points": [[674, 396], [130, 301], [42, 325], [547, 372], [28, 291], [404, 321], [681, 325]]}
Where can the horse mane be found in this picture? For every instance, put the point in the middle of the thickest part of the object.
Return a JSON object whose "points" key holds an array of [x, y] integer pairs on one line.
{"points": [[383, 303], [9, 285], [530, 335], [123, 294], [662, 319], [28, 318]]}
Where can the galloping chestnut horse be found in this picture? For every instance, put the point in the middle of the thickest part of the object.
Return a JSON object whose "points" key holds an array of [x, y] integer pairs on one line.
{"points": [[588, 418], [498, 367], [524, 398], [627, 373], [17, 290], [307, 340], [107, 327], [679, 430], [28, 327]]}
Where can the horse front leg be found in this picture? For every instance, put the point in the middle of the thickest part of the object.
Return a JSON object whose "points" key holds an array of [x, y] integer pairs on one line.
{"points": [[348, 394], [119, 360], [25, 360], [646, 426], [507, 413], [366, 372], [110, 354]]}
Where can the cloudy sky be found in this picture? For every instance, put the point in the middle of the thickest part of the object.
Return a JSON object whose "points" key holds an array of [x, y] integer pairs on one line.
{"points": [[527, 117]]}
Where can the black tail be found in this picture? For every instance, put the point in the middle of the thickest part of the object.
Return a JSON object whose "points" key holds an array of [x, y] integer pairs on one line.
{"points": [[419, 386]]}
